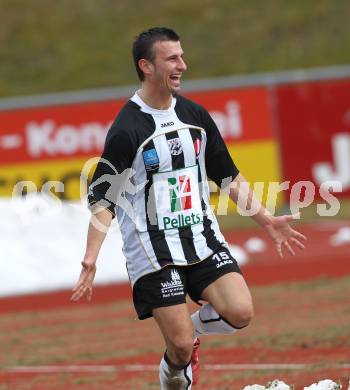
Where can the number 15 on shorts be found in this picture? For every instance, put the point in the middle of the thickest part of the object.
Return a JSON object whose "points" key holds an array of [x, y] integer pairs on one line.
{"points": [[222, 258]]}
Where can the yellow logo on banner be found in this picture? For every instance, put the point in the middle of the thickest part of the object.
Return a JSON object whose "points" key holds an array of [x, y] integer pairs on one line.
{"points": [[258, 161], [67, 172], [259, 164]]}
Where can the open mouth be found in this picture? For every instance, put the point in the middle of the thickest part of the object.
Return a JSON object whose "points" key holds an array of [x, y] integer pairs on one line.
{"points": [[175, 77]]}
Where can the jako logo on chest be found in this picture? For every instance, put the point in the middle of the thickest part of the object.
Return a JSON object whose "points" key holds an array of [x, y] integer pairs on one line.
{"points": [[166, 124]]}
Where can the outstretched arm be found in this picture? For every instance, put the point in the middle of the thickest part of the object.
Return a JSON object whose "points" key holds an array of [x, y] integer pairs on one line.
{"points": [[278, 228], [99, 223]]}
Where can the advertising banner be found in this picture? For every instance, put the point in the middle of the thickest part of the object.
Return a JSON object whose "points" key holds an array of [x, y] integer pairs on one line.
{"points": [[314, 122], [50, 143], [51, 133]]}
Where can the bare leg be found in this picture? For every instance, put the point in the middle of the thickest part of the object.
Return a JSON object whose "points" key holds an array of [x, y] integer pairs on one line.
{"points": [[176, 327], [229, 306]]}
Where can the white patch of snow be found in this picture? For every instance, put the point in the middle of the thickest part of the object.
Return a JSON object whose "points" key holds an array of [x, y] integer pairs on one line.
{"points": [[341, 237], [326, 384], [239, 254], [42, 243], [255, 245]]}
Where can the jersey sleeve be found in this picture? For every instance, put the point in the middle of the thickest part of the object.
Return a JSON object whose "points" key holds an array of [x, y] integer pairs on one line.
{"points": [[112, 170], [219, 165]]}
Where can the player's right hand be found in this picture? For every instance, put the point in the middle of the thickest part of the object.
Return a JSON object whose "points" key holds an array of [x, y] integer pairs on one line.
{"points": [[84, 284]]}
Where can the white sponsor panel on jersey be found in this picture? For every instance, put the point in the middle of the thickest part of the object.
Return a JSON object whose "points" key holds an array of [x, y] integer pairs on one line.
{"points": [[177, 198]]}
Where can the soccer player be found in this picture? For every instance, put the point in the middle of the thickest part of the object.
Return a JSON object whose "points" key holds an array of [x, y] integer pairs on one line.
{"points": [[153, 173]]}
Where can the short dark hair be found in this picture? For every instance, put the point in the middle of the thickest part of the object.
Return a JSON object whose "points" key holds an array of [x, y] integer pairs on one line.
{"points": [[143, 44]]}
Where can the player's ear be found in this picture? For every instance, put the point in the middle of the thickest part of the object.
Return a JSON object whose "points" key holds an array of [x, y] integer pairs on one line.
{"points": [[146, 66]]}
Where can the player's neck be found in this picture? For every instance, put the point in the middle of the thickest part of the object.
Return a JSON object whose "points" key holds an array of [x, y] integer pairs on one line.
{"points": [[155, 98]]}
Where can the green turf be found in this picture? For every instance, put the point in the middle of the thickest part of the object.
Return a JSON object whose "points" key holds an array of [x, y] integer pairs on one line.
{"points": [[308, 214], [312, 314], [311, 317], [62, 45]]}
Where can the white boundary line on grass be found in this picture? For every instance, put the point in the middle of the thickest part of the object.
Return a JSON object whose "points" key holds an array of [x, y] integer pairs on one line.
{"points": [[152, 367]]}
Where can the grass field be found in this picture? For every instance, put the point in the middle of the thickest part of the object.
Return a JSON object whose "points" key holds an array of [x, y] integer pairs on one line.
{"points": [[296, 323], [300, 333], [308, 214], [52, 46]]}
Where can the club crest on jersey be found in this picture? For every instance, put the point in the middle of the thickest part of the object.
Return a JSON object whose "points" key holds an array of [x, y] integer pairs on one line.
{"points": [[197, 146], [175, 146]]}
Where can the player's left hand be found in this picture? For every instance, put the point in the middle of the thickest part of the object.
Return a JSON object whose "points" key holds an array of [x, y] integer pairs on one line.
{"points": [[283, 235], [84, 284]]}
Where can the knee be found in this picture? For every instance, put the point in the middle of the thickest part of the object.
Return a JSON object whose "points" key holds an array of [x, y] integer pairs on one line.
{"points": [[180, 350], [239, 317]]}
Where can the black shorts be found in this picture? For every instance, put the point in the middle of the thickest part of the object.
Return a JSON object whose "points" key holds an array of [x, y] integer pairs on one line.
{"points": [[170, 285]]}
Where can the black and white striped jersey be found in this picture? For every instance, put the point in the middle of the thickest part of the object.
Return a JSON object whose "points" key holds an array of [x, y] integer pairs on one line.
{"points": [[153, 176]]}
